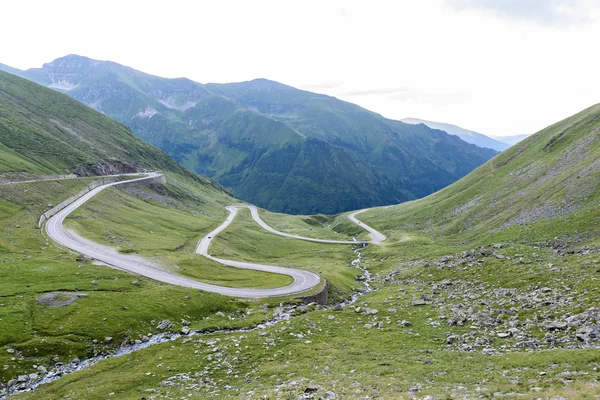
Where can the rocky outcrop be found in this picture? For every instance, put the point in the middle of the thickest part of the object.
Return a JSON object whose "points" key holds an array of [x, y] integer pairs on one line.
{"points": [[108, 167]]}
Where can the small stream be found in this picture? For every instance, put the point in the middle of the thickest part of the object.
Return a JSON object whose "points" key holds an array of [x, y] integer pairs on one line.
{"points": [[280, 314]]}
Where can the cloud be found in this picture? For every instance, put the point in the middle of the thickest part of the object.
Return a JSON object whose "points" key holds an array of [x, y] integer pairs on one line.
{"points": [[545, 12]]}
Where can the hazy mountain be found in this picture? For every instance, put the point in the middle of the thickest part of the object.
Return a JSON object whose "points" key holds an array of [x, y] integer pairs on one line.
{"points": [[510, 139], [273, 145], [468, 136]]}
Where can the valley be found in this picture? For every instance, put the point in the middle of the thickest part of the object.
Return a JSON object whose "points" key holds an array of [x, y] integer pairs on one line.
{"points": [[280, 148], [331, 253]]}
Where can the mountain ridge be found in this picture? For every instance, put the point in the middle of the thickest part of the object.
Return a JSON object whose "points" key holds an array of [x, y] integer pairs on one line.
{"points": [[44, 132], [549, 175], [264, 140], [469, 136]]}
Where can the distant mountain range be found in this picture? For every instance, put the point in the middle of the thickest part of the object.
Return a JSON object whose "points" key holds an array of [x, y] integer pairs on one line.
{"points": [[511, 139], [281, 148], [498, 143]]}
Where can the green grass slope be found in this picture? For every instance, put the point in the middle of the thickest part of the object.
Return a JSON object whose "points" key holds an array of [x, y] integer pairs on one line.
{"points": [[43, 132], [486, 289], [281, 148], [552, 175]]}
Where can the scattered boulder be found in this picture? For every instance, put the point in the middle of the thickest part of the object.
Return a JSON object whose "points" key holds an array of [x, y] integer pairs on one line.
{"points": [[419, 302], [164, 325], [311, 388], [556, 325], [59, 299]]}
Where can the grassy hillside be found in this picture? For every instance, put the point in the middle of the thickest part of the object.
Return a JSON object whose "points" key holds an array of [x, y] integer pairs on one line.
{"points": [[43, 132], [551, 176], [486, 289], [56, 306], [281, 148]]}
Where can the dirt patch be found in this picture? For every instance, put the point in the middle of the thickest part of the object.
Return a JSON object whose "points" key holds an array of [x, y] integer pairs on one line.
{"points": [[59, 299]]}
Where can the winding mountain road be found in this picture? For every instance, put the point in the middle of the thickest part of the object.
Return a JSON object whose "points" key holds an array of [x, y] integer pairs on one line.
{"points": [[377, 237], [303, 280]]}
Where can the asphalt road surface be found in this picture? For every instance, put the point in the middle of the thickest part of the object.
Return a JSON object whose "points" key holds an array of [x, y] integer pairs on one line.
{"points": [[303, 280]]}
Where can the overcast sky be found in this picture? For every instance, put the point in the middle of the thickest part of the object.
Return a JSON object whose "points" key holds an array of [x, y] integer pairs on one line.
{"points": [[500, 67]]}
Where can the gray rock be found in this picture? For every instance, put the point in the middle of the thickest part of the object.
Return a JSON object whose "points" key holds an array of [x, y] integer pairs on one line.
{"points": [[419, 302], [556, 325], [164, 325], [311, 388], [185, 330], [108, 340], [23, 378], [94, 282]]}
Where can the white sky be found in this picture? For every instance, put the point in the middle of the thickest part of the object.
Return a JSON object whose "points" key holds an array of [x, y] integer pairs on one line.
{"points": [[500, 67]]}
